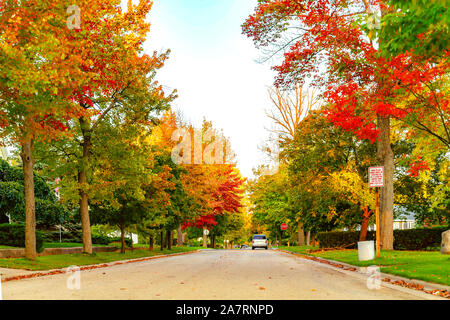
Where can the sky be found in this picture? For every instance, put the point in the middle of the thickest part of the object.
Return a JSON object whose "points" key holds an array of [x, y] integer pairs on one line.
{"points": [[213, 67]]}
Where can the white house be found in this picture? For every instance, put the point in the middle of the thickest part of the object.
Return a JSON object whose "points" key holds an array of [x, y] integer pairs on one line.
{"points": [[403, 222]]}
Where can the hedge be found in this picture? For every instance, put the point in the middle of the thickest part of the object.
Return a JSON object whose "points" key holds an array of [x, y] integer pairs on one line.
{"points": [[77, 237], [14, 235], [411, 239]]}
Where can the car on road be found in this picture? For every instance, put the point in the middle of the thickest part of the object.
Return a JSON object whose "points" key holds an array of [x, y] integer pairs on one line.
{"points": [[260, 241]]}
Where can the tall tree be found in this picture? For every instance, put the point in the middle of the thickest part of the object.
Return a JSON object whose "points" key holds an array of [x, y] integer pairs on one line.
{"points": [[359, 83], [37, 72], [121, 83]]}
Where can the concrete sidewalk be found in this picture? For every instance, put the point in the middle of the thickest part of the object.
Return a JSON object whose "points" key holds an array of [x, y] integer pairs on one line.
{"points": [[394, 280], [7, 273]]}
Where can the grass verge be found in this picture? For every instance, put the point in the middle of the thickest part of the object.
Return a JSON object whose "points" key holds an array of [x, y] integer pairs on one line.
{"points": [[429, 266], [7, 247], [66, 260]]}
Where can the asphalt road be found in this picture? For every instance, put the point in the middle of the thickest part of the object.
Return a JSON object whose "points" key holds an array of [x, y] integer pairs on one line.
{"points": [[209, 275]]}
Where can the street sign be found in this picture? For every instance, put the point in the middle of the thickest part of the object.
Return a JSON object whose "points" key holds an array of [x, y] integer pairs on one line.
{"points": [[376, 177], [206, 232], [283, 226]]}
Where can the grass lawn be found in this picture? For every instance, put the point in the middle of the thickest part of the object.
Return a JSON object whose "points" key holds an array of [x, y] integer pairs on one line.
{"points": [[56, 245], [68, 245], [422, 265], [66, 260], [7, 247]]}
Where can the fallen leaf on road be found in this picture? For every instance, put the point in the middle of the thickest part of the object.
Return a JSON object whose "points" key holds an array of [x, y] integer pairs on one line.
{"points": [[181, 282], [123, 288], [262, 288]]}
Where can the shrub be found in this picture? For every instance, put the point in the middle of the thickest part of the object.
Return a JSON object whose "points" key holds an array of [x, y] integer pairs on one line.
{"points": [[14, 235], [347, 239], [101, 239], [119, 240], [411, 239], [418, 239]]}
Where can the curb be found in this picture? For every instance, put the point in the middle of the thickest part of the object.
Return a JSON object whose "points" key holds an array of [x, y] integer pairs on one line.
{"points": [[92, 266], [389, 280]]}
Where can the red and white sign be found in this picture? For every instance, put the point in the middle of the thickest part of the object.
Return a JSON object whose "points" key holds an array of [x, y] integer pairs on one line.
{"points": [[283, 226], [376, 177]]}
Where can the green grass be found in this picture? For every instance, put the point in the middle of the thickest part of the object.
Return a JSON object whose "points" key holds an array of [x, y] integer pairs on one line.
{"points": [[422, 265], [299, 249], [7, 247], [56, 245], [66, 260], [68, 245]]}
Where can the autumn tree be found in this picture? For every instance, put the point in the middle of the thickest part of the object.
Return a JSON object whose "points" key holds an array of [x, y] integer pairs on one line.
{"points": [[122, 83], [289, 110], [361, 84], [38, 71]]}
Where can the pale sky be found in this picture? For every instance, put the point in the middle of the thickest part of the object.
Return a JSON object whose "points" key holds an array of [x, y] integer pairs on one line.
{"points": [[213, 67]]}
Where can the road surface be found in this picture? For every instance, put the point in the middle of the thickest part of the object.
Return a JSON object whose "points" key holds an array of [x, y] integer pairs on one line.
{"points": [[208, 275]]}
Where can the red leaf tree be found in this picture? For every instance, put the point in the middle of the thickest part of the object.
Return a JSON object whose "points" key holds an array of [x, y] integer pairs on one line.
{"points": [[329, 42]]}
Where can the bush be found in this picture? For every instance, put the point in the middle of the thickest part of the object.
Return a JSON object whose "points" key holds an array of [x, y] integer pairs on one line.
{"points": [[412, 239], [119, 240], [347, 239], [77, 237], [66, 236], [418, 239], [14, 235], [101, 239]]}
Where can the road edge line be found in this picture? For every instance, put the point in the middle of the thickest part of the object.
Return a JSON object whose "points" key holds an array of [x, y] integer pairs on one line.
{"points": [[92, 266], [401, 284]]}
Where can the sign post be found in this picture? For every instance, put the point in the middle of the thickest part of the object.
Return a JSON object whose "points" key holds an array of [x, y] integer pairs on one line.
{"points": [[376, 180], [283, 227]]}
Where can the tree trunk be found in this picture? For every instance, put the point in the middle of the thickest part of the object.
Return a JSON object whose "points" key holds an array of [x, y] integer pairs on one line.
{"points": [[386, 159], [131, 243], [82, 183], [281, 238], [162, 240], [179, 237], [308, 238], [213, 242], [122, 237], [301, 234], [152, 242], [313, 240], [169, 239], [364, 224], [30, 205]]}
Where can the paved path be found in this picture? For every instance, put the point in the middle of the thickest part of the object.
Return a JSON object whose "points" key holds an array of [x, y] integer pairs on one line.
{"points": [[210, 274]]}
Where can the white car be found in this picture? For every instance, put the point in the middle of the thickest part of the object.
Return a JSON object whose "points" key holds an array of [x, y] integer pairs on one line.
{"points": [[260, 241]]}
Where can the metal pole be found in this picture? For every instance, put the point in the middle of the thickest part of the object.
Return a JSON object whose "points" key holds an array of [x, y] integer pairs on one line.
{"points": [[377, 213]]}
